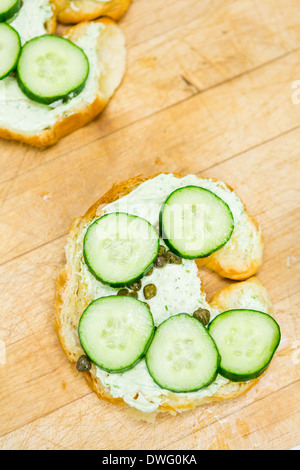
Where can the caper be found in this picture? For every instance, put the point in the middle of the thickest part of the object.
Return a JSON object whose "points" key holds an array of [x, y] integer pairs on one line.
{"points": [[160, 262], [133, 294], [161, 250], [203, 315], [123, 292], [172, 258], [83, 364], [149, 272], [150, 291], [136, 286], [147, 305]]}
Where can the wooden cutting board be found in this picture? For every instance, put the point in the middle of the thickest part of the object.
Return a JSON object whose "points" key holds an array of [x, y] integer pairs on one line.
{"points": [[209, 91]]}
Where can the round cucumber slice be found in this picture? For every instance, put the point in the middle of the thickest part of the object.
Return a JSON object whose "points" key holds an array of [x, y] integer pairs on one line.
{"points": [[247, 341], [120, 248], [194, 222], [115, 332], [8, 8], [52, 68], [182, 356], [10, 48]]}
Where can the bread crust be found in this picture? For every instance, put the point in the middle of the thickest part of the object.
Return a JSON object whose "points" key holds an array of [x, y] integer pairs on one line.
{"points": [[112, 58], [76, 11], [242, 268], [67, 295], [51, 23]]}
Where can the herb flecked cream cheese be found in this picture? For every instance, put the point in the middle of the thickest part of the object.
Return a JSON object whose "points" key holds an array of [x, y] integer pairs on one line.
{"points": [[31, 19], [178, 287]]}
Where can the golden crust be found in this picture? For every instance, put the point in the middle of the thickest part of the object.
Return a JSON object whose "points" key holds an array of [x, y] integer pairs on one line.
{"points": [[76, 11], [112, 56], [230, 297], [67, 298], [51, 23], [242, 266]]}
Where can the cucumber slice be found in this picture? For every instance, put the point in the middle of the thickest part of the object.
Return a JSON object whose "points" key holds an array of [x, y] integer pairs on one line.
{"points": [[194, 222], [52, 68], [10, 48], [8, 8], [182, 356], [119, 248], [115, 332], [247, 341]]}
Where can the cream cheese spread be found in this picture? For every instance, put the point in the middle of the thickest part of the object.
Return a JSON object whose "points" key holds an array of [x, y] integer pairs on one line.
{"points": [[20, 114], [31, 19], [178, 287]]}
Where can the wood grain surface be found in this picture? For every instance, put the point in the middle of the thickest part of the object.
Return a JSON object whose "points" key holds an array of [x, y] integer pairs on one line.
{"points": [[208, 90]]}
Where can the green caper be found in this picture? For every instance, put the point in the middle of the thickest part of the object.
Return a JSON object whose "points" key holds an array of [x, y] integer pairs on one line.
{"points": [[123, 292], [161, 250], [136, 286], [150, 291], [83, 364], [133, 294], [172, 258], [203, 315], [160, 262], [149, 272]]}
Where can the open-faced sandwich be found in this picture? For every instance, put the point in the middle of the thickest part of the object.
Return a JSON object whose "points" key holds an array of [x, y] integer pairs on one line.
{"points": [[75, 11], [52, 85], [131, 312]]}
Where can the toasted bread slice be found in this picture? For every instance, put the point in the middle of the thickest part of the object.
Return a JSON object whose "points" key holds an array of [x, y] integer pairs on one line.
{"points": [[75, 11], [41, 125], [73, 294]]}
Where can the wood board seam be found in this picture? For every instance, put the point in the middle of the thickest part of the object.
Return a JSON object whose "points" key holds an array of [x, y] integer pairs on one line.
{"points": [[169, 417], [250, 149], [158, 111], [234, 412]]}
